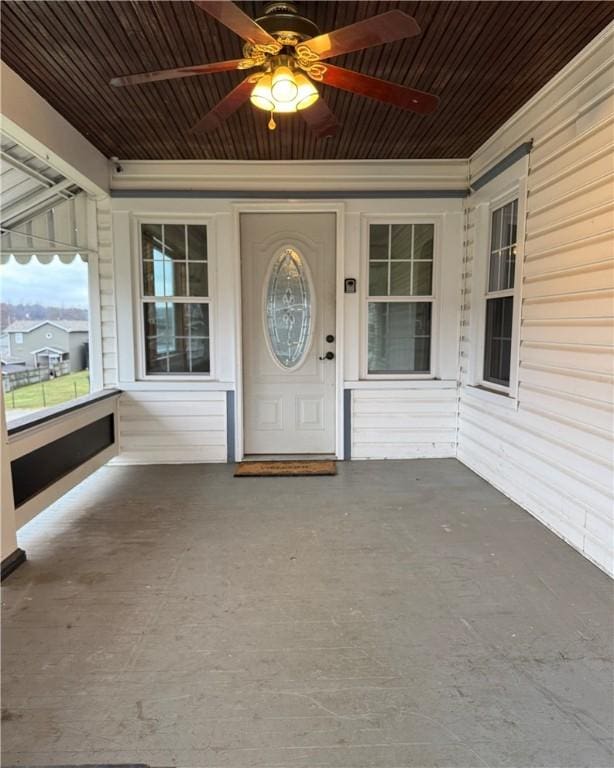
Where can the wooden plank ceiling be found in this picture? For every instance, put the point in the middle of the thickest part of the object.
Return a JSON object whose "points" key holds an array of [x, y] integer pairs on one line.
{"points": [[483, 59]]}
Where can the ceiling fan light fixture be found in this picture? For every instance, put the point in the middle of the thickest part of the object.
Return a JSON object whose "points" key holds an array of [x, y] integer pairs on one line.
{"points": [[307, 92], [284, 88], [261, 95]]}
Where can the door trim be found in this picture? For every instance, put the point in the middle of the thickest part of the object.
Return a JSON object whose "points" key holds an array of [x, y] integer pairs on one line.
{"points": [[288, 206]]}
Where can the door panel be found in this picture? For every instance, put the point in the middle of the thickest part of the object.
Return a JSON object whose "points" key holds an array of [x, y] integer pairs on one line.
{"points": [[288, 284]]}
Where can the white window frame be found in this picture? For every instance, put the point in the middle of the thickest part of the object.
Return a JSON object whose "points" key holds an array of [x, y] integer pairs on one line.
{"points": [[365, 298], [511, 185], [140, 300], [502, 294]]}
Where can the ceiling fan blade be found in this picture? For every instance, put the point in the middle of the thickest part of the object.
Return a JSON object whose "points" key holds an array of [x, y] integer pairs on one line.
{"points": [[224, 108], [382, 90], [385, 28], [320, 119], [231, 16], [171, 74]]}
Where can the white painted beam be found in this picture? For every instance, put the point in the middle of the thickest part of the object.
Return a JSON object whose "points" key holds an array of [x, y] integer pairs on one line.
{"points": [[27, 119], [291, 176]]}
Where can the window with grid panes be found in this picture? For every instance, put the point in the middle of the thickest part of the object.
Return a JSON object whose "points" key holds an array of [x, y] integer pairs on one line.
{"points": [[175, 298], [500, 294], [400, 301]]}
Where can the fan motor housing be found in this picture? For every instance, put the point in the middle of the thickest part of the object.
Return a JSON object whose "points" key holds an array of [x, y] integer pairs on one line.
{"points": [[284, 19]]}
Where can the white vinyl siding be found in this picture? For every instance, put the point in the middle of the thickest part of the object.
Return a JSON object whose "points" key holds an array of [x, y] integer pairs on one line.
{"points": [[107, 293], [172, 426], [553, 452], [417, 422]]}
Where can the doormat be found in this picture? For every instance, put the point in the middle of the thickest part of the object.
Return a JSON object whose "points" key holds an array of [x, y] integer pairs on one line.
{"points": [[285, 468]]}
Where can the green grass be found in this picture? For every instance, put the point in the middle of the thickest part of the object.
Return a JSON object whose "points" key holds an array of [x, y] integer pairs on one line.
{"points": [[48, 393]]}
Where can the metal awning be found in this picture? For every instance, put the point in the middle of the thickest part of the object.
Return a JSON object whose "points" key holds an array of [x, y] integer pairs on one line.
{"points": [[42, 213]]}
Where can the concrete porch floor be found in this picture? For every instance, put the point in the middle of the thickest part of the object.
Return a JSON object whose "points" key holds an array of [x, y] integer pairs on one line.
{"points": [[399, 614]]}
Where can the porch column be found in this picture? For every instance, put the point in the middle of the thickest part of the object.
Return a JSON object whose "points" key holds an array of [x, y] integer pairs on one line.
{"points": [[12, 555]]}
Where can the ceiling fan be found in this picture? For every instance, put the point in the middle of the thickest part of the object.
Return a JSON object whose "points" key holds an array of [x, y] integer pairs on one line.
{"points": [[287, 53]]}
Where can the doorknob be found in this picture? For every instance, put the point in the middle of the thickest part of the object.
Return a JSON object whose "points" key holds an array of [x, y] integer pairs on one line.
{"points": [[328, 356]]}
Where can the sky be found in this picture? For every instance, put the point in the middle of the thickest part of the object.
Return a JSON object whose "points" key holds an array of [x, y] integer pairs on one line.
{"points": [[53, 284]]}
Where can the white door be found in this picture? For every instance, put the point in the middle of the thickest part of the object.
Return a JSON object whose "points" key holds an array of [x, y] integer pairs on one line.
{"points": [[288, 282]]}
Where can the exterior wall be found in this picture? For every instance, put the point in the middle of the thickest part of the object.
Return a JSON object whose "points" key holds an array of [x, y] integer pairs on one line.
{"points": [[37, 339], [417, 417], [76, 343], [549, 445], [409, 422], [60, 339], [172, 426], [175, 420]]}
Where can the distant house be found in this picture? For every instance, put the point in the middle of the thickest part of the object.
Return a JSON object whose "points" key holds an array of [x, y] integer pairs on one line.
{"points": [[45, 343]]}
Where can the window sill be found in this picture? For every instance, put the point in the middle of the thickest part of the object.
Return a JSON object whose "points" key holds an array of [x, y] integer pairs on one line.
{"points": [[175, 385], [501, 399], [48, 414], [426, 383]]}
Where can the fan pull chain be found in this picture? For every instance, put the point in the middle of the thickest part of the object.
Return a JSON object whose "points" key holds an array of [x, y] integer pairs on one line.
{"points": [[272, 125]]}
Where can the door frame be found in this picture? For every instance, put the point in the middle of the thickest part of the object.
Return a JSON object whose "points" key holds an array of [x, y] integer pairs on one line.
{"points": [[288, 206]]}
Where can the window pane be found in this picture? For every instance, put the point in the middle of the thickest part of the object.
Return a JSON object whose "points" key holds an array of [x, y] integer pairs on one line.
{"points": [[176, 337], [495, 269], [197, 319], [174, 241], [508, 224], [178, 356], [424, 235], [508, 265], [498, 342], [423, 278], [197, 274], [400, 278], [156, 357], [197, 242], [378, 241], [400, 241], [174, 278], [495, 231], [151, 240], [514, 234], [378, 279], [399, 337], [502, 266], [148, 278], [157, 320], [199, 355]]}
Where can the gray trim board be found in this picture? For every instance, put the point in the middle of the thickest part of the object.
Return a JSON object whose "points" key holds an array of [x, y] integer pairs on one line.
{"points": [[506, 162], [347, 424], [12, 561], [378, 194], [230, 427]]}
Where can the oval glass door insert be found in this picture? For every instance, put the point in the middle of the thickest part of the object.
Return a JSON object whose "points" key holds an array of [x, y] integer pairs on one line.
{"points": [[289, 308]]}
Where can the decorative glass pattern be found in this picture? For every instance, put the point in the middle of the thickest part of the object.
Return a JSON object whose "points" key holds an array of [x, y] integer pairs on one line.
{"points": [[288, 309]]}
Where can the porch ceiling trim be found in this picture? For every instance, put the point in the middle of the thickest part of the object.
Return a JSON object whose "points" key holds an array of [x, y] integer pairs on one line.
{"points": [[291, 178], [292, 195]]}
